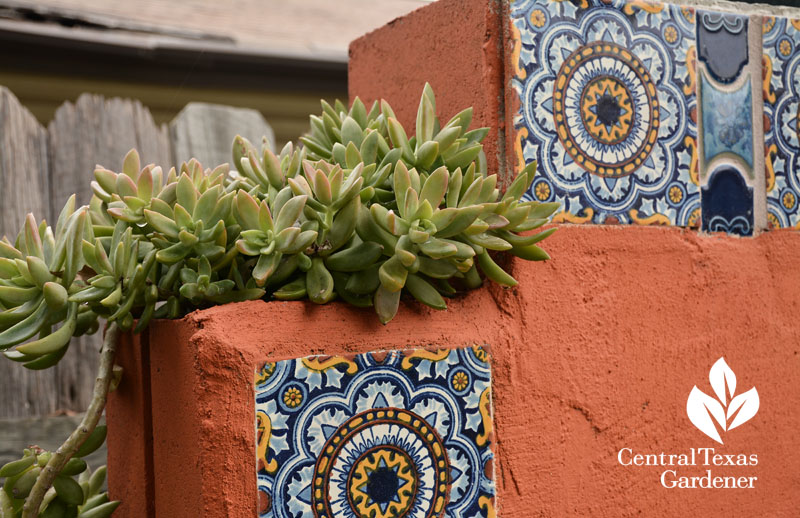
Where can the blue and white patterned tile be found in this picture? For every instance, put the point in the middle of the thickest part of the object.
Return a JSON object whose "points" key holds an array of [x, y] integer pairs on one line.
{"points": [[607, 109], [781, 61], [378, 435]]}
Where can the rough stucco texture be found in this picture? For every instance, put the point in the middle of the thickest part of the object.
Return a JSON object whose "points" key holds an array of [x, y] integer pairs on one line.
{"points": [[595, 351], [130, 441]]}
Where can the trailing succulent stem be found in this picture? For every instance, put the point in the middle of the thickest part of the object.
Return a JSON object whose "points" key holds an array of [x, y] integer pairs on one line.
{"points": [[362, 211], [54, 468]]}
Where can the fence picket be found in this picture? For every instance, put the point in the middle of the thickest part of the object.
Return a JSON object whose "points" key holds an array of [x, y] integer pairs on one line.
{"points": [[94, 131], [205, 132], [24, 180]]}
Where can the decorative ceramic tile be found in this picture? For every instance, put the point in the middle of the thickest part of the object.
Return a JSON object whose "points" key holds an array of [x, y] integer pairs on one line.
{"points": [[376, 435], [727, 202], [722, 44], [781, 45], [727, 120], [608, 108]]}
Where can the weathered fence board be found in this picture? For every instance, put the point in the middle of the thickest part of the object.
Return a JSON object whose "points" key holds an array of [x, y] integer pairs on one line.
{"points": [[23, 165], [206, 131], [46, 432], [24, 181], [101, 131]]}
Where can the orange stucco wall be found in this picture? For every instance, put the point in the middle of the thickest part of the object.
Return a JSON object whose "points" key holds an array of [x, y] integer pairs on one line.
{"points": [[595, 351]]}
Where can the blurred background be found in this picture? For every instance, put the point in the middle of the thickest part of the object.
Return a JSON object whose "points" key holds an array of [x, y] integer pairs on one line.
{"points": [[278, 57]]}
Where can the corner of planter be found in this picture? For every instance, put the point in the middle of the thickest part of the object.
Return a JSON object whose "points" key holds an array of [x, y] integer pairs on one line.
{"points": [[457, 47], [203, 382], [130, 433]]}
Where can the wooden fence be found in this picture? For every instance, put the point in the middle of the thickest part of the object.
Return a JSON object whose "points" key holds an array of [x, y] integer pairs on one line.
{"points": [[39, 169]]}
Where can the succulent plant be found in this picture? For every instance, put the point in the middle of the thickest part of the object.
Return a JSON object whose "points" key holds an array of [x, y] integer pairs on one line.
{"points": [[361, 211], [76, 491], [430, 213]]}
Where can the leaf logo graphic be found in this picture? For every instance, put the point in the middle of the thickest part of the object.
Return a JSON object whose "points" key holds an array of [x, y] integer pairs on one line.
{"points": [[725, 411]]}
